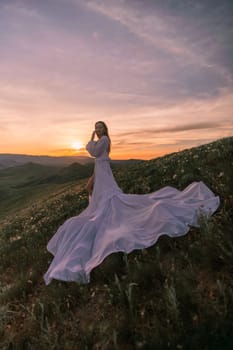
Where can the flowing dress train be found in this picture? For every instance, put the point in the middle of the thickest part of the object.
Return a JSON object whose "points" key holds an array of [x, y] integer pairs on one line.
{"points": [[119, 222]]}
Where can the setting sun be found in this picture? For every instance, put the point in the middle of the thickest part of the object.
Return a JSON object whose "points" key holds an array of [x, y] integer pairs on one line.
{"points": [[77, 145]]}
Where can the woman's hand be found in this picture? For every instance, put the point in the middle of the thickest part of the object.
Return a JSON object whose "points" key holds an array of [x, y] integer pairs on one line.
{"points": [[93, 135]]}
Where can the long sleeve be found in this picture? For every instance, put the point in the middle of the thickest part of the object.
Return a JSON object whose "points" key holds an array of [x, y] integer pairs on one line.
{"points": [[97, 148]]}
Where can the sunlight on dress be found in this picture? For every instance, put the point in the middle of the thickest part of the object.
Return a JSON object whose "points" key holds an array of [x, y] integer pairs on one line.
{"points": [[119, 222]]}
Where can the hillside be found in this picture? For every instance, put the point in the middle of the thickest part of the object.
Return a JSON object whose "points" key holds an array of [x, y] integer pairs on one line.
{"points": [[22, 185], [177, 294], [8, 160], [15, 160]]}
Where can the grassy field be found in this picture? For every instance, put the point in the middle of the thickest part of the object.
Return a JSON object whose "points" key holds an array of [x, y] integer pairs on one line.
{"points": [[23, 185], [177, 294]]}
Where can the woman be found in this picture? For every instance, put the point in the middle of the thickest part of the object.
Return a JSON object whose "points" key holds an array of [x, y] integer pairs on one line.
{"points": [[115, 221], [100, 130], [103, 179]]}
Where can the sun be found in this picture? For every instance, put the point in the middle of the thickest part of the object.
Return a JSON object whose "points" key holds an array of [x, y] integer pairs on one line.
{"points": [[77, 145]]}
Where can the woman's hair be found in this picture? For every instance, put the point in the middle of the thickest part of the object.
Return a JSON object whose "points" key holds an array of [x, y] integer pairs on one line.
{"points": [[105, 133]]}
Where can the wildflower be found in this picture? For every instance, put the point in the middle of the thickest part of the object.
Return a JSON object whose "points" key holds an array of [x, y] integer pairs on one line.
{"points": [[221, 174]]}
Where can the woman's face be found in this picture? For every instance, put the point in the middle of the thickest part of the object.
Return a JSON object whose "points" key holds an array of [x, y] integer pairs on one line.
{"points": [[99, 129]]}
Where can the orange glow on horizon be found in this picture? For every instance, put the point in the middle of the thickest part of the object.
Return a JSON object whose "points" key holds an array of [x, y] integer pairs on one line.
{"points": [[66, 152], [119, 150], [140, 155]]}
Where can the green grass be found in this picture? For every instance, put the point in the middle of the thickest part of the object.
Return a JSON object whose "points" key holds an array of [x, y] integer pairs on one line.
{"points": [[177, 294], [24, 185]]}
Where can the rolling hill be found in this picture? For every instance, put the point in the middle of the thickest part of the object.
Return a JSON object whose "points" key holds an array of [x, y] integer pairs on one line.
{"points": [[177, 294], [21, 185], [8, 160], [13, 160]]}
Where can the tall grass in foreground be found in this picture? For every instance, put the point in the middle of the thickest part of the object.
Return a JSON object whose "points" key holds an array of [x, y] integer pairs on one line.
{"points": [[177, 294]]}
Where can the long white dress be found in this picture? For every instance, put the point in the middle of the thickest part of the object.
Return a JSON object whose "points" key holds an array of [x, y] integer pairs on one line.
{"points": [[119, 222]]}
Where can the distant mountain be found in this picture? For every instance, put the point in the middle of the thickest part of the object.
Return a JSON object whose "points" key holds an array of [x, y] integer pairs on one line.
{"points": [[12, 160], [22, 184], [35, 174]]}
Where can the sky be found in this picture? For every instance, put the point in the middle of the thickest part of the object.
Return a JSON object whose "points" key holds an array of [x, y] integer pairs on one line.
{"points": [[158, 72]]}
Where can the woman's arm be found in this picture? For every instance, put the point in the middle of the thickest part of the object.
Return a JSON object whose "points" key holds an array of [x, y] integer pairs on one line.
{"points": [[96, 148]]}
